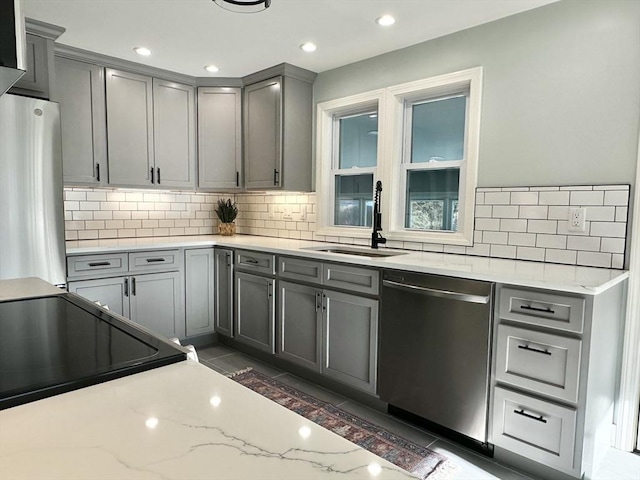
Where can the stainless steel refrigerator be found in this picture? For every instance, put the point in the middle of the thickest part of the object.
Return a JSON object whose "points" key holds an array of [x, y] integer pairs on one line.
{"points": [[31, 197]]}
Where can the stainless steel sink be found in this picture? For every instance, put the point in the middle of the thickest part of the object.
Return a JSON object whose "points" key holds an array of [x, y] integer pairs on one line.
{"points": [[360, 252]]}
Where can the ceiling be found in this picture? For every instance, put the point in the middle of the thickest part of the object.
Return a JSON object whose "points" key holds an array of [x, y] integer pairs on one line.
{"points": [[186, 35]]}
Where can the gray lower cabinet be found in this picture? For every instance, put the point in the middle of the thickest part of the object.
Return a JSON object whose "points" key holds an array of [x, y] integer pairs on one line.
{"points": [[155, 302], [255, 317], [219, 138], [199, 291], [223, 291], [350, 339], [80, 92], [300, 324], [110, 292], [152, 300]]}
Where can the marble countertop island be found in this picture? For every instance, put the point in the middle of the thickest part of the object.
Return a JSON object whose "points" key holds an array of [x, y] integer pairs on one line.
{"points": [[182, 421]]}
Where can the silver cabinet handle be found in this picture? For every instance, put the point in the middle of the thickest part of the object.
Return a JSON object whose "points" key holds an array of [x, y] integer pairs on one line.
{"points": [[228, 255], [537, 418], [432, 292]]}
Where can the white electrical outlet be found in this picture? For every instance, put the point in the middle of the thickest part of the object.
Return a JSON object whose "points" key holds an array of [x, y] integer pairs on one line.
{"points": [[577, 219], [286, 213]]}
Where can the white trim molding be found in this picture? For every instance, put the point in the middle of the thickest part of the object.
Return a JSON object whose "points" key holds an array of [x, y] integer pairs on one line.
{"points": [[628, 429]]}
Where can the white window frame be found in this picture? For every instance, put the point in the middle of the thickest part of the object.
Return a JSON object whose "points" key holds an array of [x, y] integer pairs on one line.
{"points": [[399, 100], [328, 114]]}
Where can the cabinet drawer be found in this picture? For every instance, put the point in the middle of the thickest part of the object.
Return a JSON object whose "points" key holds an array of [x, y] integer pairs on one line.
{"points": [[297, 269], [562, 312], [356, 279], [255, 262], [545, 363], [97, 265], [539, 430], [154, 261]]}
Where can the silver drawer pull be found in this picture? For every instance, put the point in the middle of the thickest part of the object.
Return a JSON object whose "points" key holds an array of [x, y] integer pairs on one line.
{"points": [[155, 260], [537, 418], [100, 264], [537, 309], [251, 260], [536, 350]]}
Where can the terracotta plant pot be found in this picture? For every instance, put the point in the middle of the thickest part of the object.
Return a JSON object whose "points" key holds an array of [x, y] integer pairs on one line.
{"points": [[227, 228]]}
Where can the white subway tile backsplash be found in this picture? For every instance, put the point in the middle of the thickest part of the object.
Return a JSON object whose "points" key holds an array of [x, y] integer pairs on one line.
{"points": [[510, 222], [616, 197], [524, 198], [587, 198]]}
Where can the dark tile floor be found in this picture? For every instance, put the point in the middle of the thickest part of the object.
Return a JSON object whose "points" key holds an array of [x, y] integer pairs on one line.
{"points": [[469, 465]]}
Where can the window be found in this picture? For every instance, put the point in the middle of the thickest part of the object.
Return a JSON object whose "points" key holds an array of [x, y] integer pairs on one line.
{"points": [[421, 140], [348, 146]]}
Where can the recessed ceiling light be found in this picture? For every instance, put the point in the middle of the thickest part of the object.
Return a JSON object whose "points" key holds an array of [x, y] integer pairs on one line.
{"points": [[385, 20], [211, 68], [308, 47], [144, 51]]}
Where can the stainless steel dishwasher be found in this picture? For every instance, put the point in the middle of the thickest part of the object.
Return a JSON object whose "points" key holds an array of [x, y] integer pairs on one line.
{"points": [[434, 349]]}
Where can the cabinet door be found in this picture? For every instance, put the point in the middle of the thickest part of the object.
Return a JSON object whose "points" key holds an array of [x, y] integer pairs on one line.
{"points": [[263, 134], [254, 311], [350, 343], [300, 324], [219, 137], [112, 292], [174, 133], [129, 128], [155, 302], [223, 291], [80, 92], [35, 83], [199, 291]]}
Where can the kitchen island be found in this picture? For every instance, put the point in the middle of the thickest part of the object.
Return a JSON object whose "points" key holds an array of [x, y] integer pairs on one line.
{"points": [[178, 421]]}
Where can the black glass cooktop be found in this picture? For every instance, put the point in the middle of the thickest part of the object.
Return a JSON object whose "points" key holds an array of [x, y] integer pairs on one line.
{"points": [[53, 345]]}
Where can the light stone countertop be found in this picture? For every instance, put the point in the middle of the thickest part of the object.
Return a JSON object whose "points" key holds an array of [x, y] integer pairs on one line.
{"points": [[175, 422], [565, 278], [30, 287]]}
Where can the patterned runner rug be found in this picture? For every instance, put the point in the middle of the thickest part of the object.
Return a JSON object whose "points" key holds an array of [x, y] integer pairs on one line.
{"points": [[407, 455]]}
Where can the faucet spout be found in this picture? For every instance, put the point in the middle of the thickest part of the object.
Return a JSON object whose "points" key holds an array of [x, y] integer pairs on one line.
{"points": [[376, 236]]}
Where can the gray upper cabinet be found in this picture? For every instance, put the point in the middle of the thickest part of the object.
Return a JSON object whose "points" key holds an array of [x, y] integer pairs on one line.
{"points": [[130, 128], [80, 92], [174, 133], [219, 138], [278, 115], [35, 83]]}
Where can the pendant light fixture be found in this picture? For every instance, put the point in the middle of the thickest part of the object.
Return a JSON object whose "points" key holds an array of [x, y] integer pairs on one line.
{"points": [[243, 6]]}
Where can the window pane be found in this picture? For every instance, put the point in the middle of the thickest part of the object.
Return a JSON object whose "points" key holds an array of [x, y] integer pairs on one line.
{"points": [[437, 131], [359, 141], [432, 199], [354, 200]]}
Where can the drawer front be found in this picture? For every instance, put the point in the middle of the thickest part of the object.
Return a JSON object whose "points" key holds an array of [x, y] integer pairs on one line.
{"points": [[297, 269], [541, 308], [539, 430], [356, 279], [97, 265], [154, 261], [541, 362], [255, 262]]}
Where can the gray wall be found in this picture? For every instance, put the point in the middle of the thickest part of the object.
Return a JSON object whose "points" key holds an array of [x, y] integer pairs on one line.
{"points": [[561, 92]]}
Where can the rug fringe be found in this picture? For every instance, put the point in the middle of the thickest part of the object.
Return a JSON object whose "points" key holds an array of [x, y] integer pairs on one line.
{"points": [[239, 372], [444, 471]]}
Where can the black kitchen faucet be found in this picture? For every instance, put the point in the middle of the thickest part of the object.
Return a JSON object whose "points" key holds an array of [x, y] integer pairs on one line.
{"points": [[376, 236]]}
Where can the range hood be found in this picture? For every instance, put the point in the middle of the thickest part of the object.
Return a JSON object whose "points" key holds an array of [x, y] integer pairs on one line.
{"points": [[13, 63]]}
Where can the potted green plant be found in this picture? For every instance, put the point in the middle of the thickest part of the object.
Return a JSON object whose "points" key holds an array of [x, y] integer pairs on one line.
{"points": [[227, 213]]}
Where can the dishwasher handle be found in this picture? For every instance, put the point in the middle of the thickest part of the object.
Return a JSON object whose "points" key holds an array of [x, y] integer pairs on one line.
{"points": [[433, 292]]}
